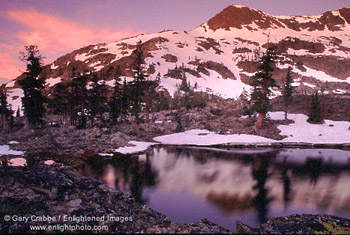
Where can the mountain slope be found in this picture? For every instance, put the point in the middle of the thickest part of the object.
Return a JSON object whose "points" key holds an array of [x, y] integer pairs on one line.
{"points": [[219, 55]]}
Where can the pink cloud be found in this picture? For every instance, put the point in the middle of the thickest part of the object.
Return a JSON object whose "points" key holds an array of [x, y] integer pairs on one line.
{"points": [[54, 36], [10, 65], [58, 34]]}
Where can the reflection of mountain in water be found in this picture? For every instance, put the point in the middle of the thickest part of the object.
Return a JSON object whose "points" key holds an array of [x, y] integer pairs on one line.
{"points": [[235, 182]]}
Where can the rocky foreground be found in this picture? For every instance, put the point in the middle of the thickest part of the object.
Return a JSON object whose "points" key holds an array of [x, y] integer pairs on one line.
{"points": [[58, 199], [44, 198], [300, 224]]}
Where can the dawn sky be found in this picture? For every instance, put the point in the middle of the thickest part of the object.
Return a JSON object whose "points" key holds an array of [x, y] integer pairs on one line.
{"points": [[59, 27]]}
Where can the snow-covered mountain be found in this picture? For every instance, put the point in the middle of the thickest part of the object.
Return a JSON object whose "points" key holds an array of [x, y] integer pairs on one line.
{"points": [[219, 55]]}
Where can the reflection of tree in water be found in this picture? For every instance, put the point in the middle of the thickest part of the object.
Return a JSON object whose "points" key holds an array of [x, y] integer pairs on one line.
{"points": [[136, 175], [260, 174], [286, 184], [314, 166], [149, 174], [136, 184]]}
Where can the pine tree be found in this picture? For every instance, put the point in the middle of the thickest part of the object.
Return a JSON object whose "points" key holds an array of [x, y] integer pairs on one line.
{"points": [[150, 95], [5, 111], [288, 92], [78, 99], [115, 100], [137, 87], [97, 99], [315, 115], [59, 102], [262, 83], [33, 86], [18, 112], [124, 103]]}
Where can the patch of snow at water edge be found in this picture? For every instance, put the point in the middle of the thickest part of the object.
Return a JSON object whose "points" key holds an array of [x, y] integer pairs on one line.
{"points": [[106, 154], [137, 146], [5, 150], [205, 137], [332, 132]]}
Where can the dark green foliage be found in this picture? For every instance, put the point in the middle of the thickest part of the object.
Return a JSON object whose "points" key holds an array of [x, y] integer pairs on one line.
{"points": [[33, 86], [315, 115], [115, 101], [262, 83], [59, 100], [185, 96], [78, 100], [124, 103], [162, 102], [97, 99], [5, 111], [137, 85], [18, 112], [288, 91], [150, 96], [179, 127], [247, 111]]}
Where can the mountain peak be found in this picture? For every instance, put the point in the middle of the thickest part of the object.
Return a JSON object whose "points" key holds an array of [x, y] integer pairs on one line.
{"points": [[236, 16]]}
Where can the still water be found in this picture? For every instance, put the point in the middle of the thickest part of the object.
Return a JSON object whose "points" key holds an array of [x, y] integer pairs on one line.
{"points": [[251, 185]]}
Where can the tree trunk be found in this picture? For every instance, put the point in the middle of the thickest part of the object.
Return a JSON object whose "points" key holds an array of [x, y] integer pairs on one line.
{"points": [[260, 121], [147, 116], [3, 121], [92, 121], [286, 113], [137, 129]]}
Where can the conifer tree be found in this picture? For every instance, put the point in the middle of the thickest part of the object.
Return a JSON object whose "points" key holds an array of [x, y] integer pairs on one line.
{"points": [[315, 115], [115, 101], [150, 95], [5, 112], [33, 86], [18, 112], [97, 99], [124, 103], [137, 86], [78, 99], [287, 92], [262, 83], [59, 102]]}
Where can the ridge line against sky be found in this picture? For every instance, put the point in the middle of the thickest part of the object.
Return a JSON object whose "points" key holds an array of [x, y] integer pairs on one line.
{"points": [[59, 27]]}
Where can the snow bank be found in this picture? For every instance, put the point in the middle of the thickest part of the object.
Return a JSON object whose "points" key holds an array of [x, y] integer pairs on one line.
{"points": [[106, 154], [331, 132], [204, 137], [5, 150], [137, 146]]}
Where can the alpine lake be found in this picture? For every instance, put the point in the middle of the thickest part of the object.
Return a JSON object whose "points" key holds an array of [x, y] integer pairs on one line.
{"points": [[225, 185]]}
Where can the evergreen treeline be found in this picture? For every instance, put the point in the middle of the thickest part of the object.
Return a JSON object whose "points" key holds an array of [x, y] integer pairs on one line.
{"points": [[85, 100]]}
